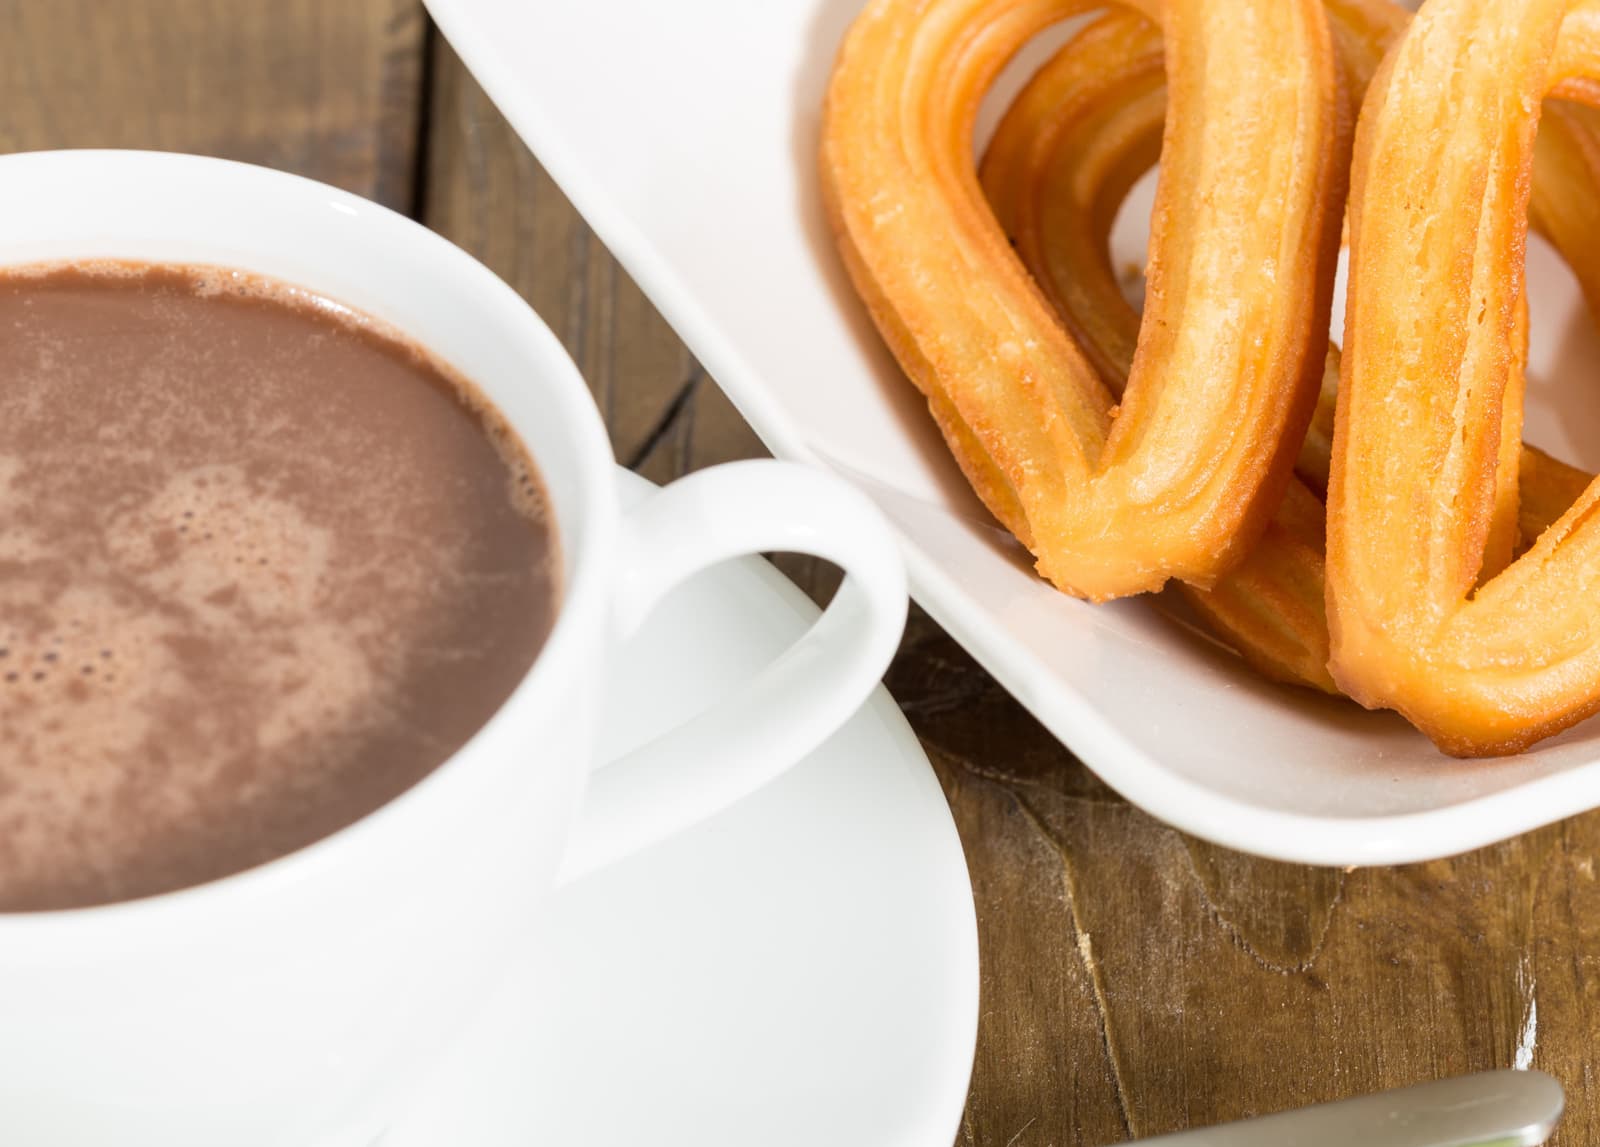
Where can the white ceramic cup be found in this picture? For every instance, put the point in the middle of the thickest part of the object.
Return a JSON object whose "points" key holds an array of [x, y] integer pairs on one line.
{"points": [[295, 1004]]}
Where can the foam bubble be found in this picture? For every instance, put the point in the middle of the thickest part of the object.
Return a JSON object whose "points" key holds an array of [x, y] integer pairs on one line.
{"points": [[72, 689], [210, 542]]}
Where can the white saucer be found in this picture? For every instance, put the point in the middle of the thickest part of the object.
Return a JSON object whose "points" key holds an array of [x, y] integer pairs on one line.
{"points": [[803, 969]]}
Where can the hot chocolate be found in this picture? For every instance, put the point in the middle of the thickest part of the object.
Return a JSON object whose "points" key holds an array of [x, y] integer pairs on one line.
{"points": [[263, 565]]}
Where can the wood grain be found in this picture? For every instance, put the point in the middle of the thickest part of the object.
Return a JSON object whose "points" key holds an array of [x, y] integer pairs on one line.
{"points": [[1138, 981], [329, 90], [1135, 980]]}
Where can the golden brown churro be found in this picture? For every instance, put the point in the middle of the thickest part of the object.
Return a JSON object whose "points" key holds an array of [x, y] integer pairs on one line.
{"points": [[1438, 224], [1183, 476], [1062, 161], [1196, 443]]}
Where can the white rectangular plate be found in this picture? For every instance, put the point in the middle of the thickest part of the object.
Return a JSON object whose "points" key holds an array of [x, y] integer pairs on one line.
{"points": [[686, 134]]}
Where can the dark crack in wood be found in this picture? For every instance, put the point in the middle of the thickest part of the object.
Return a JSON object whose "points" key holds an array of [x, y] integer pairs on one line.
{"points": [[409, 83], [675, 409]]}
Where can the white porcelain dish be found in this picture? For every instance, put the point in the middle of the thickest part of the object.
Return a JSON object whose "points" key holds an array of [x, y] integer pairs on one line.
{"points": [[685, 133], [801, 969]]}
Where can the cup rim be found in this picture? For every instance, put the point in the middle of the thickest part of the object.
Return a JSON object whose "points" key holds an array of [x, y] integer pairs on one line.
{"points": [[583, 595]]}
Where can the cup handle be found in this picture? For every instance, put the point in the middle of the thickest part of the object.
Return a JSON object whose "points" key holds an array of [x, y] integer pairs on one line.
{"points": [[774, 720]]}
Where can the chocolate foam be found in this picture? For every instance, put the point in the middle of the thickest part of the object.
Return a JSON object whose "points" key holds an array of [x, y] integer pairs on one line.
{"points": [[263, 566]]}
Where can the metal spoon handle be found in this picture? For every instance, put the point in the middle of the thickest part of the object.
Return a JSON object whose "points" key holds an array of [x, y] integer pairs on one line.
{"points": [[1495, 1109]]}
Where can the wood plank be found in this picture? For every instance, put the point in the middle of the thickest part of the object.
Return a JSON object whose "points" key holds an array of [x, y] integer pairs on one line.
{"points": [[1138, 981], [329, 90]]}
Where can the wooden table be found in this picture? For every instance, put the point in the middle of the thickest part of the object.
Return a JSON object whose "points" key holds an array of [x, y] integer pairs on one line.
{"points": [[1134, 980]]}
